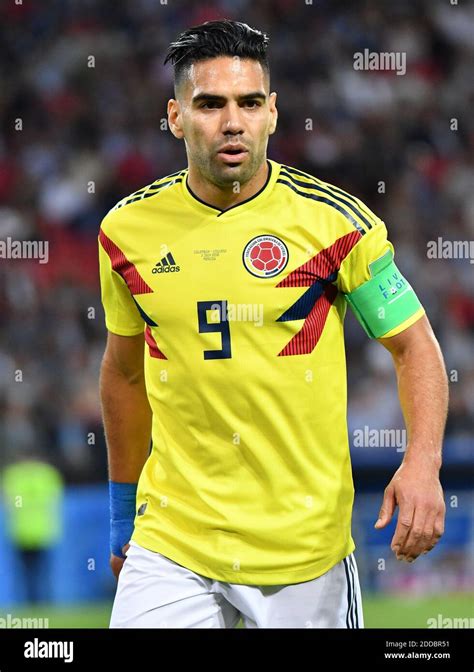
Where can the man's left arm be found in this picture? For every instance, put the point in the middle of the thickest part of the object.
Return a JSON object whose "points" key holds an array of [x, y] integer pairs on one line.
{"points": [[415, 487]]}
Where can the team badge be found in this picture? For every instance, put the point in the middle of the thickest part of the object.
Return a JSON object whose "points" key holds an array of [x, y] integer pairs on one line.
{"points": [[265, 256]]}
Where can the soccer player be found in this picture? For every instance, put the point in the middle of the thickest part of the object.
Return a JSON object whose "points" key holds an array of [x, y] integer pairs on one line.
{"points": [[225, 286]]}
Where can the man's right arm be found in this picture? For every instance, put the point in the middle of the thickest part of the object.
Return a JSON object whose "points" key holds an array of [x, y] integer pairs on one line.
{"points": [[127, 417], [125, 408]]}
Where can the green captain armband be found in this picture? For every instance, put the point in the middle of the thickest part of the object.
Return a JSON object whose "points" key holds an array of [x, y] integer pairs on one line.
{"points": [[385, 301]]}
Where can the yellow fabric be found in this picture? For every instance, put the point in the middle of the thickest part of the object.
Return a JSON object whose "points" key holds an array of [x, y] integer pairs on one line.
{"points": [[122, 316], [249, 480], [32, 493]]}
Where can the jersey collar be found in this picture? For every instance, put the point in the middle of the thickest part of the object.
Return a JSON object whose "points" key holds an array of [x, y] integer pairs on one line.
{"points": [[256, 199]]}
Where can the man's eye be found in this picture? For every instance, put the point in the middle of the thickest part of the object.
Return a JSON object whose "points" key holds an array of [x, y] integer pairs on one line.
{"points": [[252, 103], [210, 105]]}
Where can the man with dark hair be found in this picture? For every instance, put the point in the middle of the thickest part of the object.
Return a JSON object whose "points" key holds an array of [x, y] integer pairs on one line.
{"points": [[226, 348]]}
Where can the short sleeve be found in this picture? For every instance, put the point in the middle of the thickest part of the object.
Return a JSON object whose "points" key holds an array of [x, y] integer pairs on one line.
{"points": [[354, 270], [121, 313]]}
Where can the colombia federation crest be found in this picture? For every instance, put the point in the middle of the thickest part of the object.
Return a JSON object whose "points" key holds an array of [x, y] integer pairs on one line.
{"points": [[265, 256]]}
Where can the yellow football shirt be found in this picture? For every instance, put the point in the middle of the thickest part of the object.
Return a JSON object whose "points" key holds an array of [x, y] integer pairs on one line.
{"points": [[249, 477]]}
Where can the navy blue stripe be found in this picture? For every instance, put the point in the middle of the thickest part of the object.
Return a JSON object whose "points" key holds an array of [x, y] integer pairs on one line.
{"points": [[151, 191], [356, 607], [147, 319], [178, 172], [131, 200], [163, 184], [353, 590], [313, 197], [330, 186], [330, 193], [157, 190], [349, 595], [170, 259], [302, 308]]}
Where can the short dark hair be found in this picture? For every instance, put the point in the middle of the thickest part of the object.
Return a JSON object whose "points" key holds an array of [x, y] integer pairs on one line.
{"points": [[217, 38]]}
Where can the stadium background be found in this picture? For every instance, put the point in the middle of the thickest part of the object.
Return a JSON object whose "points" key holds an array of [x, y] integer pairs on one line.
{"points": [[87, 83]]}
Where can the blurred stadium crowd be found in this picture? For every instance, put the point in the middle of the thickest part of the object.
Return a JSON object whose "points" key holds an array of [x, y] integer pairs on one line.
{"points": [[87, 83]]}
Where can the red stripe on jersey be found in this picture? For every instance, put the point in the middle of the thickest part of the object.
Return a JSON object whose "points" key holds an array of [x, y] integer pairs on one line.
{"points": [[322, 264], [308, 336], [135, 283], [152, 344], [317, 269]]}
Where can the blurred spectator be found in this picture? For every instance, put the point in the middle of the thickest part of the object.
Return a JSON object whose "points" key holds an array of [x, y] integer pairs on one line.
{"points": [[32, 491]]}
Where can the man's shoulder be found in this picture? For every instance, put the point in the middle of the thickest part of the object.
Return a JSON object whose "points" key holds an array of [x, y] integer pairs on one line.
{"points": [[301, 178], [345, 206], [153, 189]]}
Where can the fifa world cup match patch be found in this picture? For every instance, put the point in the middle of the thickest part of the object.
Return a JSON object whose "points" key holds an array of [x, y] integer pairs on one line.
{"points": [[386, 300]]}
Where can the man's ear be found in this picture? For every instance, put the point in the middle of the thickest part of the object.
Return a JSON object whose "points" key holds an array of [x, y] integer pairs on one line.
{"points": [[273, 112], [175, 118]]}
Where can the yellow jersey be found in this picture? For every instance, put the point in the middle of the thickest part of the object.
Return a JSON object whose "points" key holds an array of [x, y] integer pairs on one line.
{"points": [[249, 477]]}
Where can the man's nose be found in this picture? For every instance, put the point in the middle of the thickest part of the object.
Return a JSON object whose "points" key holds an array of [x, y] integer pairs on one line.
{"points": [[232, 122]]}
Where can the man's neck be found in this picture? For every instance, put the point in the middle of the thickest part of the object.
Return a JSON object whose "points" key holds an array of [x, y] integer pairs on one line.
{"points": [[224, 198]]}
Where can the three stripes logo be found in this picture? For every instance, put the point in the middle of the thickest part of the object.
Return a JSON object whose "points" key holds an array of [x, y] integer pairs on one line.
{"points": [[166, 265]]}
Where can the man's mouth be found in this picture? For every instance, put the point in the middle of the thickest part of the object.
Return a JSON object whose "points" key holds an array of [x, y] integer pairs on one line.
{"points": [[233, 154]]}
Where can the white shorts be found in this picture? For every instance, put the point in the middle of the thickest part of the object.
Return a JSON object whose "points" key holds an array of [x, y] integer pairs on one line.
{"points": [[156, 592]]}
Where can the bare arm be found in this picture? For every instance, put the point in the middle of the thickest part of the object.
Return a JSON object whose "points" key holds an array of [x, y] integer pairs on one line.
{"points": [[126, 414], [125, 409], [422, 389], [415, 487]]}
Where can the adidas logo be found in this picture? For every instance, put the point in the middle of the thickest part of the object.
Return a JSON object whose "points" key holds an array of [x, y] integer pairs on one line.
{"points": [[166, 265]]}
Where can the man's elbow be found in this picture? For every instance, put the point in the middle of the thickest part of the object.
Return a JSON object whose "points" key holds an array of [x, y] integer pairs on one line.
{"points": [[418, 338], [123, 360]]}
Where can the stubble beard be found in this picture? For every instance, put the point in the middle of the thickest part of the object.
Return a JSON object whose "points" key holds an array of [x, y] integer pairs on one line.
{"points": [[225, 175]]}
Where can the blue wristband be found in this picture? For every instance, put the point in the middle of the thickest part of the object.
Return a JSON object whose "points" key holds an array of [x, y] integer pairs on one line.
{"points": [[123, 497]]}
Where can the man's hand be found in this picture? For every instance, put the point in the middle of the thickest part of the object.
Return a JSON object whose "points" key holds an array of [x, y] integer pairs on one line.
{"points": [[416, 489], [116, 563]]}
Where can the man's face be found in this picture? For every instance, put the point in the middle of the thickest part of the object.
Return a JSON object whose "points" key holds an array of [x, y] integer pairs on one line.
{"points": [[224, 102]]}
